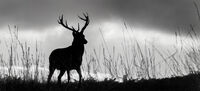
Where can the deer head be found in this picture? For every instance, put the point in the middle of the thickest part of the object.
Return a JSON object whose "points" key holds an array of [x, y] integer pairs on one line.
{"points": [[79, 37]]}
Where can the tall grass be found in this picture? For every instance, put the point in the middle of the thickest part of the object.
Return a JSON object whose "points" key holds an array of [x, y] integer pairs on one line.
{"points": [[148, 60], [21, 60], [129, 60]]}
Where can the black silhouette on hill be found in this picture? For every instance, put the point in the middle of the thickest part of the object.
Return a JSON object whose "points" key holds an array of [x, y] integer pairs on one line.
{"points": [[66, 59]]}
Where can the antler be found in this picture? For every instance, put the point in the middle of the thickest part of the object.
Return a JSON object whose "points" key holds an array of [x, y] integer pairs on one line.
{"points": [[86, 19], [60, 21]]}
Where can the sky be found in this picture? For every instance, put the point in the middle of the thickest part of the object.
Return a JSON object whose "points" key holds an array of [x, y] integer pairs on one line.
{"points": [[151, 21], [37, 19], [40, 14]]}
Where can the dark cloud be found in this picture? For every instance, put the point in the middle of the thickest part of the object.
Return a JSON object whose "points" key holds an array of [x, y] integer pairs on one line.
{"points": [[39, 14], [159, 13]]}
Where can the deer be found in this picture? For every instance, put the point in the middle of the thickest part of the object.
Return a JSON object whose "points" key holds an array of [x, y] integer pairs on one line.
{"points": [[69, 58]]}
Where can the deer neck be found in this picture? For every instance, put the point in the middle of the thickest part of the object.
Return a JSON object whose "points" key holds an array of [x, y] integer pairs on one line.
{"points": [[77, 49], [78, 46]]}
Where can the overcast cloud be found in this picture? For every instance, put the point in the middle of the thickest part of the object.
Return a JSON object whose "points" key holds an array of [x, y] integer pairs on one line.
{"points": [[40, 14]]}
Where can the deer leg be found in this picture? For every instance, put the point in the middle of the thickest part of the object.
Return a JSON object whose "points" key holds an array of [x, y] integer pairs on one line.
{"points": [[51, 71], [79, 73], [60, 76], [80, 77], [68, 75]]}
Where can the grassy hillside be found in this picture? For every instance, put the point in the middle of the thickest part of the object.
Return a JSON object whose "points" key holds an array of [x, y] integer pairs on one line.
{"points": [[187, 83], [134, 61]]}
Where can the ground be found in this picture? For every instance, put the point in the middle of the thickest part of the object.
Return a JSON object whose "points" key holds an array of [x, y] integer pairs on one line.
{"points": [[185, 83]]}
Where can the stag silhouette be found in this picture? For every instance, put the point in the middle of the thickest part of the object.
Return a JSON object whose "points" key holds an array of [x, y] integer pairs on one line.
{"points": [[69, 58]]}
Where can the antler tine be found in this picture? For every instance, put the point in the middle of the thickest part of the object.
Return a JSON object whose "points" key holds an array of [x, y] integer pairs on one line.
{"points": [[86, 15], [78, 27], [66, 23], [60, 21], [73, 28], [81, 18], [86, 21]]}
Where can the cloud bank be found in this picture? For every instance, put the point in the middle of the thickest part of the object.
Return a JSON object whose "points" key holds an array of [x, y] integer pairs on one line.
{"points": [[41, 14]]}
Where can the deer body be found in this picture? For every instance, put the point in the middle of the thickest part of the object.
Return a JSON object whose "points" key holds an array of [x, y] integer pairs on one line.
{"points": [[66, 58], [69, 58]]}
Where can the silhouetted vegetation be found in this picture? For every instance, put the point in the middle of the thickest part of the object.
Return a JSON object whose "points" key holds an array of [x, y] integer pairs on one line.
{"points": [[186, 83], [138, 66]]}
